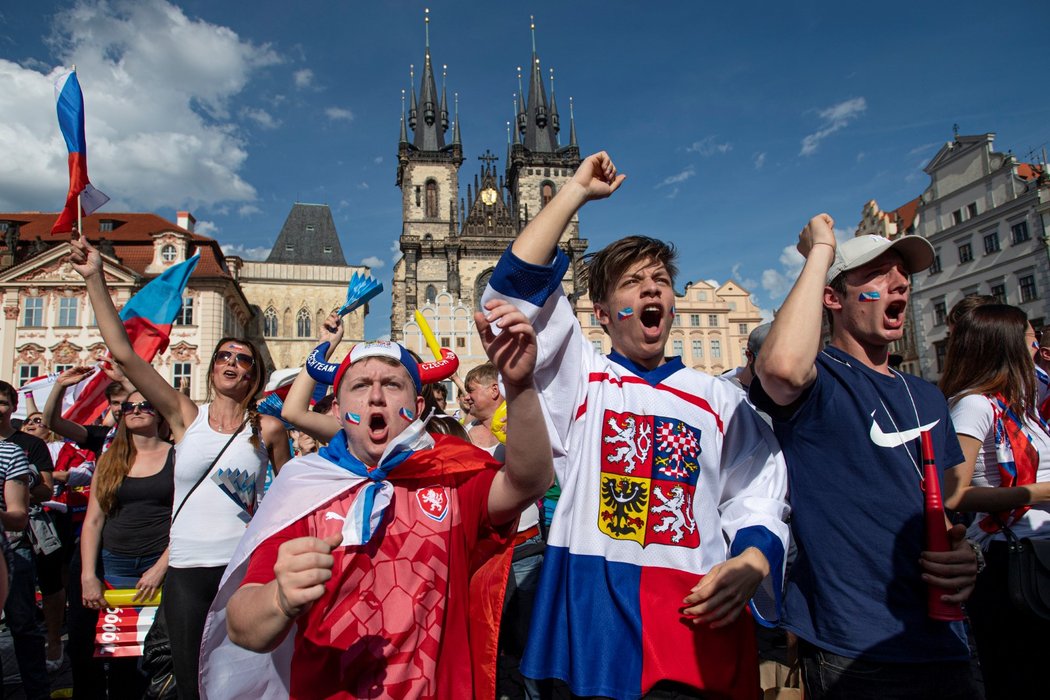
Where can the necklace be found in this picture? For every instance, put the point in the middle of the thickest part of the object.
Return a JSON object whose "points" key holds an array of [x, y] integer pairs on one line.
{"points": [[918, 423]]}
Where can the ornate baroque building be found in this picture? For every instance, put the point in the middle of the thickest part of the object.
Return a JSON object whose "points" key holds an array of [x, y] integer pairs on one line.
{"points": [[49, 324]]}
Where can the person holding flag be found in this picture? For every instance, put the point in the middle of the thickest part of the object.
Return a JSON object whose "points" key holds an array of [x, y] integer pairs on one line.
{"points": [[82, 198], [222, 450]]}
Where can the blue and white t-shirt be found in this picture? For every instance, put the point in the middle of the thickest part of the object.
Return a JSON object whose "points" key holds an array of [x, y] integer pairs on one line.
{"points": [[857, 511]]}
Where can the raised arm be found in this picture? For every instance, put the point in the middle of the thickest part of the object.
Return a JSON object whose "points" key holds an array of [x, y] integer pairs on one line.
{"points": [[177, 408], [296, 408], [596, 178], [528, 469], [786, 364], [53, 407]]}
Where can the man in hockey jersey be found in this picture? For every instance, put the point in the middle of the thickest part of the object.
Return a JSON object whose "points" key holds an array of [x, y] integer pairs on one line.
{"points": [[671, 513], [857, 593], [377, 566]]}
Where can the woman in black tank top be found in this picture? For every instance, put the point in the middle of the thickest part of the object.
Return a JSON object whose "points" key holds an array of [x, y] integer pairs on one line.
{"points": [[125, 537]]}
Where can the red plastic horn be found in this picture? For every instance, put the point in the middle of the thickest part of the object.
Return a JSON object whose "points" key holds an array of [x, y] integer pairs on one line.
{"points": [[439, 370]]}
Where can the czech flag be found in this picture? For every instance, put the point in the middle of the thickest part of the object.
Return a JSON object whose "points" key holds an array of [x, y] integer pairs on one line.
{"points": [[147, 319], [71, 121]]}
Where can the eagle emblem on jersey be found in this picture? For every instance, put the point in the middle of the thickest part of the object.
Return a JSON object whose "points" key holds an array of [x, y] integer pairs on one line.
{"points": [[649, 470], [433, 501]]}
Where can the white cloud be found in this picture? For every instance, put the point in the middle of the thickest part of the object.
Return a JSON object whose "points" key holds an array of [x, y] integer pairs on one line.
{"points": [[395, 250], [261, 117], [362, 185], [373, 261], [714, 283], [677, 177], [760, 160], [339, 114], [248, 210], [745, 282], [304, 78], [158, 91], [708, 147], [206, 228], [378, 160], [778, 283], [834, 118], [925, 147], [248, 253]]}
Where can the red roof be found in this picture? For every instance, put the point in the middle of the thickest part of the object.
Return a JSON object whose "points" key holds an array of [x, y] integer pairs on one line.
{"points": [[1028, 171], [131, 237], [905, 215]]}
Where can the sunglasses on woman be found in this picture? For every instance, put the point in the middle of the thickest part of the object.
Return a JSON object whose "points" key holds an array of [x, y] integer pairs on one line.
{"points": [[35, 421], [128, 407], [243, 361]]}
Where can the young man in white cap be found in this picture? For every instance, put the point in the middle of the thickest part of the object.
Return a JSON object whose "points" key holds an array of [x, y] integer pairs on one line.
{"points": [[377, 566], [849, 426]]}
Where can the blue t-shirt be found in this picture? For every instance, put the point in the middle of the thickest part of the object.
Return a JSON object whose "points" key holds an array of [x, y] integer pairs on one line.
{"points": [[857, 511]]}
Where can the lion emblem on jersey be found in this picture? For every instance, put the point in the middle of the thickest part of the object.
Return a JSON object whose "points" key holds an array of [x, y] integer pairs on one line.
{"points": [[650, 466], [433, 501]]}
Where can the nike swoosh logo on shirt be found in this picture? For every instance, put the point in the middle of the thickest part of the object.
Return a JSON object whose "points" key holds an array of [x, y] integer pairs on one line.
{"points": [[898, 438]]}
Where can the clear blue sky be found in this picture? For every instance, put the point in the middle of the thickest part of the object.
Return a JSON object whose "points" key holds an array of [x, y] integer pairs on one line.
{"points": [[734, 121]]}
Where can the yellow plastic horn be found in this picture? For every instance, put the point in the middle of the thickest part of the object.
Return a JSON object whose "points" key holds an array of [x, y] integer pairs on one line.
{"points": [[428, 335], [123, 597], [499, 423]]}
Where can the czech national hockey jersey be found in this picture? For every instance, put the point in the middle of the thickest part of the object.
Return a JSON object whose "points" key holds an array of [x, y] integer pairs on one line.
{"points": [[659, 470]]}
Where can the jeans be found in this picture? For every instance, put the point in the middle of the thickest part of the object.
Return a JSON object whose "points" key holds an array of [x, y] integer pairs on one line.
{"points": [[23, 619], [828, 676], [122, 570]]}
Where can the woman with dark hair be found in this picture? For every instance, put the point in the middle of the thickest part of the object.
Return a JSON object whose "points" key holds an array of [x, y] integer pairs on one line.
{"points": [[128, 519], [221, 453], [989, 379]]}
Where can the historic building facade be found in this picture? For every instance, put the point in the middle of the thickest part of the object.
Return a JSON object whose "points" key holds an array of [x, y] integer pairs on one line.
{"points": [[986, 215], [303, 279], [49, 324], [450, 240]]}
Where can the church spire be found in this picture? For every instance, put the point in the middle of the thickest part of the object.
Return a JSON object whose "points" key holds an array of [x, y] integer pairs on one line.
{"points": [[555, 120], [430, 131], [444, 98], [572, 126], [455, 124], [539, 133], [404, 132], [412, 89]]}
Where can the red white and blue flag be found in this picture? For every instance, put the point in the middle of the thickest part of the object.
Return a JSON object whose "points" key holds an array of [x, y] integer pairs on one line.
{"points": [[71, 120], [147, 319]]}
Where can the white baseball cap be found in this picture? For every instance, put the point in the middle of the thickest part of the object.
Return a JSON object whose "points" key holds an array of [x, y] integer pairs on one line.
{"points": [[849, 255]]}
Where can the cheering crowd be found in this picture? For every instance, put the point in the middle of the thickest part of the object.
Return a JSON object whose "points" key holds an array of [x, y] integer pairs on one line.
{"points": [[635, 529]]}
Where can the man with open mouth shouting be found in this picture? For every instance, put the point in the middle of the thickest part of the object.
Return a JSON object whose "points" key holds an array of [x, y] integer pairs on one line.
{"points": [[850, 428], [377, 566], [671, 513]]}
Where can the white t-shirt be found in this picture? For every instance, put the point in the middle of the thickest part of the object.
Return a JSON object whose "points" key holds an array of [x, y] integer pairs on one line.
{"points": [[216, 514], [973, 416]]}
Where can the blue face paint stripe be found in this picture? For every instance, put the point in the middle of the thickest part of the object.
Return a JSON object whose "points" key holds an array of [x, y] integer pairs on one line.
{"points": [[869, 296], [625, 312], [352, 418]]}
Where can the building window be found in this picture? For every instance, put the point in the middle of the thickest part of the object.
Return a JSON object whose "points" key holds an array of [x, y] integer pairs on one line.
{"points": [[702, 296], [327, 250], [461, 342], [33, 312], [936, 266], [105, 226], [716, 349], [698, 349], [309, 228], [185, 316], [965, 253], [182, 376], [991, 242], [1028, 290], [678, 347], [712, 319], [940, 312], [270, 323], [694, 320], [446, 343], [957, 217], [63, 368], [742, 328], [971, 209], [1019, 232], [67, 311], [597, 345], [302, 324], [289, 248], [432, 199], [594, 320], [546, 193], [168, 253], [677, 320], [940, 351], [430, 295], [998, 290], [27, 372]]}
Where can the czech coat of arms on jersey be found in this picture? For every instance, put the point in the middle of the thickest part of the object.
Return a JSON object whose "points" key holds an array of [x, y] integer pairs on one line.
{"points": [[649, 470]]}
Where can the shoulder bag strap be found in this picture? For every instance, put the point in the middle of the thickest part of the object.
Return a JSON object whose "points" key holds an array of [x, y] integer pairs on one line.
{"points": [[207, 471]]}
